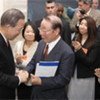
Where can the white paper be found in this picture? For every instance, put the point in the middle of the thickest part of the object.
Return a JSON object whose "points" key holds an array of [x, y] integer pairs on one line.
{"points": [[46, 68]]}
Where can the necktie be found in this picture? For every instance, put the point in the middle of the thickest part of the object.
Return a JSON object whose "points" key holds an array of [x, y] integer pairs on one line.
{"points": [[46, 51]]}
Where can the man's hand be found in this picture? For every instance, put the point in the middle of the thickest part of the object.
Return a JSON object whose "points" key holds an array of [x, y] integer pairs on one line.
{"points": [[35, 80], [23, 76]]}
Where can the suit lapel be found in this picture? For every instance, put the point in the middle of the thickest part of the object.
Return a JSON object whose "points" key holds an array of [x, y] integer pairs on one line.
{"points": [[6, 50], [54, 52]]}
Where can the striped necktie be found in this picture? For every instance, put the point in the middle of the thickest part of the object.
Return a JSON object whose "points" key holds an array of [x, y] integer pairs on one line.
{"points": [[46, 51]]}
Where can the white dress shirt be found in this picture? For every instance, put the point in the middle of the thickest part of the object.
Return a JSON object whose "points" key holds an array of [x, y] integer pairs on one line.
{"points": [[52, 44]]}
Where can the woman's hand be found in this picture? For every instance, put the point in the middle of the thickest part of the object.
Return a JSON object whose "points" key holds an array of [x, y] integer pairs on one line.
{"points": [[77, 46]]}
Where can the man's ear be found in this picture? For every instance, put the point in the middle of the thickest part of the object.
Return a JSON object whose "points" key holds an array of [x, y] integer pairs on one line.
{"points": [[57, 31]]}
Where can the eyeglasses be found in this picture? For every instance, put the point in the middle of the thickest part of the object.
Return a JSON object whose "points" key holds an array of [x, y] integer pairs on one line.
{"points": [[44, 30]]}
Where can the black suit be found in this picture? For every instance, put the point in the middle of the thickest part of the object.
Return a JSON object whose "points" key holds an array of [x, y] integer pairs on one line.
{"points": [[66, 31], [8, 82]]}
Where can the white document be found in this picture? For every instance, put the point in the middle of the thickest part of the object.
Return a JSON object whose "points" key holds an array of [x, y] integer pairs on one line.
{"points": [[46, 68]]}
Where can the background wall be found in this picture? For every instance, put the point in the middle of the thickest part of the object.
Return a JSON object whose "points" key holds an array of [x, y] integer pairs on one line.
{"points": [[19, 4]]}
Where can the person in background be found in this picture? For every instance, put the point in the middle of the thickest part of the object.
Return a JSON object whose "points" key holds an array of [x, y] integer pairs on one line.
{"points": [[12, 21], [66, 31], [50, 7], [76, 15], [51, 87], [95, 4], [60, 10], [85, 9], [68, 13], [23, 52], [87, 52]]}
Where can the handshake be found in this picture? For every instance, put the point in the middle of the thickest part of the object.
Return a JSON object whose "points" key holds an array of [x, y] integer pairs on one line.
{"points": [[27, 78]]}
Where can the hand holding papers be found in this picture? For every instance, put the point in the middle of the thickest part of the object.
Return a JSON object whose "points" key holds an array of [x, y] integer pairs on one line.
{"points": [[46, 68]]}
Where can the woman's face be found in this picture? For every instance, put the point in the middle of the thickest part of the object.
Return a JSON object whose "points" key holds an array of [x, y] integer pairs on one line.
{"points": [[29, 33], [83, 28]]}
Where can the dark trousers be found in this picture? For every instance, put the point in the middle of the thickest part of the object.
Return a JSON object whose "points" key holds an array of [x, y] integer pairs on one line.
{"points": [[24, 92], [97, 89]]}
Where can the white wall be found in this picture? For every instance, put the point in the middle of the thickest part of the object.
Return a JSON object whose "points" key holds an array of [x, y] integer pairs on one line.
{"points": [[1, 7], [19, 4]]}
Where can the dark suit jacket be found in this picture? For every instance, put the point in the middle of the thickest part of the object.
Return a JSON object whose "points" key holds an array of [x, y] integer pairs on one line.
{"points": [[86, 64], [8, 81], [98, 33], [66, 31], [37, 24], [97, 84], [53, 87]]}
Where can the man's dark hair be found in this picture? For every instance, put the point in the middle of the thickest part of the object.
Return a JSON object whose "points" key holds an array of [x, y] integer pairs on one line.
{"points": [[50, 1]]}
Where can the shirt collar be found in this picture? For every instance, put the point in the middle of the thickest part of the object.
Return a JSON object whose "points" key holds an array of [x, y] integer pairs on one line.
{"points": [[3, 37], [52, 44], [88, 12]]}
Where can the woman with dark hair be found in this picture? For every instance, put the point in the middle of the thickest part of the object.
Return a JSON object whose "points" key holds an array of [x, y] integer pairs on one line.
{"points": [[23, 52], [82, 86]]}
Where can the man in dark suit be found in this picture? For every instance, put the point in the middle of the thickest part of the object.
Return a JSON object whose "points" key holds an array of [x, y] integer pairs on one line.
{"points": [[52, 87], [11, 24]]}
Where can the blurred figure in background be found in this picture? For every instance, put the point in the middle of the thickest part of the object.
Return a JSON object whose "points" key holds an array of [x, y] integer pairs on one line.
{"points": [[60, 10], [23, 52], [96, 4], [66, 31], [85, 9]]}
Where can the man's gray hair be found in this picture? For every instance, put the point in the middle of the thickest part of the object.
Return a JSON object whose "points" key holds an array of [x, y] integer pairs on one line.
{"points": [[55, 20], [11, 17]]}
